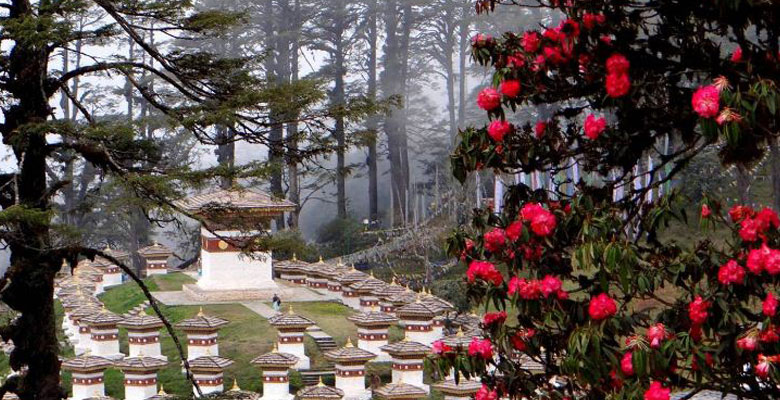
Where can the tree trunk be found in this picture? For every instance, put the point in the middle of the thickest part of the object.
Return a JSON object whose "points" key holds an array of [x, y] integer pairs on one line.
{"points": [[30, 278], [373, 122], [463, 47], [774, 160], [276, 66], [294, 191], [743, 185]]}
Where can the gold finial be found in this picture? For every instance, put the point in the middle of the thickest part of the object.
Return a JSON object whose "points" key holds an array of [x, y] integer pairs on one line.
{"points": [[459, 333], [321, 259], [107, 249], [142, 313], [320, 384], [295, 257], [200, 312], [373, 308], [276, 348], [394, 282], [372, 273], [155, 244], [64, 263], [162, 390], [349, 342], [235, 387], [290, 311], [339, 262], [353, 267]]}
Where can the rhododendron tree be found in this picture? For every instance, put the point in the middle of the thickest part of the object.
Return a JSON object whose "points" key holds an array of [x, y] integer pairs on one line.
{"points": [[593, 289]]}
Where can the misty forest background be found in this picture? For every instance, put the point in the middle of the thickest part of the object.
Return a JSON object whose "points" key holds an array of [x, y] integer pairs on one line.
{"points": [[389, 172]]}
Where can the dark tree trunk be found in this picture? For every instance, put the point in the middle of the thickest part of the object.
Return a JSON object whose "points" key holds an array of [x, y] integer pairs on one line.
{"points": [[463, 47], [774, 160], [30, 277], [743, 185], [294, 191], [339, 130], [373, 122], [393, 84], [277, 68]]}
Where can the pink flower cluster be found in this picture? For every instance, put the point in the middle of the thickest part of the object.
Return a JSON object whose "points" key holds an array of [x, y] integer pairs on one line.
{"points": [[706, 101], [535, 289], [594, 126], [485, 271], [494, 318], [482, 348], [484, 393], [618, 82], [697, 311], [657, 392], [754, 225], [731, 273], [494, 240], [520, 339], [542, 220], [602, 307], [656, 334]]}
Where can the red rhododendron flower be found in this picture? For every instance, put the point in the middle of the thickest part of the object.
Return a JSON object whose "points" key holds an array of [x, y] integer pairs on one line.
{"points": [[481, 39], [484, 393], [553, 54], [510, 88], [731, 272], [439, 347], [769, 306], [516, 60], [550, 285], [763, 366], [627, 364], [494, 318], [738, 213], [526, 289], [706, 101], [538, 63], [469, 246], [656, 334], [530, 210], [514, 230], [484, 270], [617, 64], [767, 218], [602, 307], [747, 343], [696, 332], [705, 211], [749, 230], [772, 262], [589, 21], [530, 42], [769, 335], [543, 224], [481, 348], [520, 339], [697, 310], [539, 129], [488, 99], [617, 85], [736, 56], [657, 392], [498, 129], [606, 39], [494, 240], [755, 259], [594, 126]]}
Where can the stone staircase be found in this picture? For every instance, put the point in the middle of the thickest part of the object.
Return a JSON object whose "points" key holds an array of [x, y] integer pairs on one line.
{"points": [[324, 341], [311, 377], [137, 309]]}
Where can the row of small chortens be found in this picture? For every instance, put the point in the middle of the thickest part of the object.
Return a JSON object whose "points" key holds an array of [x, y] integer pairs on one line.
{"points": [[94, 332]]}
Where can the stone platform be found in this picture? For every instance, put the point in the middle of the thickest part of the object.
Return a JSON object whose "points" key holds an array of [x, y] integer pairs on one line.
{"points": [[198, 294]]}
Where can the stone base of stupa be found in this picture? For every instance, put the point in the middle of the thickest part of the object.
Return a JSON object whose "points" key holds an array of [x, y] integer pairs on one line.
{"points": [[197, 293]]}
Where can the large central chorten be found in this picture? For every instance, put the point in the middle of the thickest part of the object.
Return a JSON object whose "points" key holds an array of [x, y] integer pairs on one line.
{"points": [[229, 219]]}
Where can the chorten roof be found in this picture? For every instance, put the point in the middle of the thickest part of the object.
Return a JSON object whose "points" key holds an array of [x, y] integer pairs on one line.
{"points": [[417, 309], [368, 285], [439, 303], [86, 363], [209, 362], [324, 269], [140, 321], [85, 311], [400, 391], [155, 250], [463, 387], [388, 290], [101, 262], [77, 300], [406, 347], [405, 297], [275, 359], [202, 322], [290, 320], [140, 363], [320, 391], [349, 353], [351, 276], [291, 265], [235, 198], [372, 317], [236, 393], [104, 317], [461, 338]]}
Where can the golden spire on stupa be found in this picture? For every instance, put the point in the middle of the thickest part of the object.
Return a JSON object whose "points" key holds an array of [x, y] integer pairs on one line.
{"points": [[235, 387], [200, 312], [349, 342]]}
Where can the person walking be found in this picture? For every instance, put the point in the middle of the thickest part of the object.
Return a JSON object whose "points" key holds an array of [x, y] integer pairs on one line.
{"points": [[276, 303]]}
